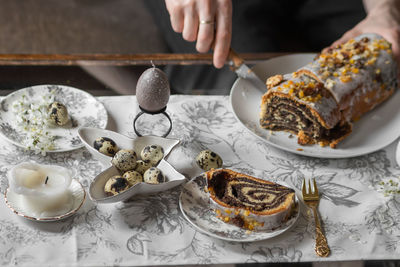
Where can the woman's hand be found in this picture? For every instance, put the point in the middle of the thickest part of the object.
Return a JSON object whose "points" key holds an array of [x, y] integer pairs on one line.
{"points": [[384, 19], [207, 21]]}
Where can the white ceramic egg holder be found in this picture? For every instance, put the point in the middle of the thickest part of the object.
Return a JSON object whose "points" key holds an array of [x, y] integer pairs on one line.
{"points": [[96, 189]]}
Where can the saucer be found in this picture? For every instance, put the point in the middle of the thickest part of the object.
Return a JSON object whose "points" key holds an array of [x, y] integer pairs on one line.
{"points": [[15, 202]]}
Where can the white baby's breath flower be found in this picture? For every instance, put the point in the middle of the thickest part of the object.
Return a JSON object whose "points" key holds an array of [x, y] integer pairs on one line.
{"points": [[389, 187], [32, 119]]}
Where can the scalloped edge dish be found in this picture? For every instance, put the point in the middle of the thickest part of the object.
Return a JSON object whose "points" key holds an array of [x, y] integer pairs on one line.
{"points": [[13, 201], [195, 206], [83, 108]]}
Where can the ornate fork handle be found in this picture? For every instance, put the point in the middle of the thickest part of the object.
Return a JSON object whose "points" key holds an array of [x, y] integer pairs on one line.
{"points": [[321, 245]]}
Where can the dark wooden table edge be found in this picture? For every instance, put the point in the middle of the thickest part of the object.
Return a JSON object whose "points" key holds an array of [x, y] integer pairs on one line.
{"points": [[123, 59]]}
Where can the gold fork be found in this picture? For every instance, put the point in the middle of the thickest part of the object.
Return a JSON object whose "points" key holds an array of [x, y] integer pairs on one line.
{"points": [[312, 199]]}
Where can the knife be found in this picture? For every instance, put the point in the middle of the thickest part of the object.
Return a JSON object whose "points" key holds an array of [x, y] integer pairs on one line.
{"points": [[243, 71]]}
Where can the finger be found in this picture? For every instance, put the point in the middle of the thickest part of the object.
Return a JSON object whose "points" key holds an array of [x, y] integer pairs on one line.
{"points": [[206, 10], [394, 38], [175, 15], [347, 36], [396, 51], [190, 24], [223, 33]]}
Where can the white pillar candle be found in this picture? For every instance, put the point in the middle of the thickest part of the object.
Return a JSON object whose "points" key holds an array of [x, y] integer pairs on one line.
{"points": [[43, 188]]}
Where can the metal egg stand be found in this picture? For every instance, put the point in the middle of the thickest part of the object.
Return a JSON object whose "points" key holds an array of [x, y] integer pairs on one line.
{"points": [[144, 111]]}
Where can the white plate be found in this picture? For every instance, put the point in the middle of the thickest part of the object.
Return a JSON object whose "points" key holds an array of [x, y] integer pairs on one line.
{"points": [[15, 203], [84, 109], [375, 130], [96, 190], [194, 203]]}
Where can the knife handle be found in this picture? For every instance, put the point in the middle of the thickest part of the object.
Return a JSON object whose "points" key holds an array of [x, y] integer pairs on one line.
{"points": [[235, 59]]}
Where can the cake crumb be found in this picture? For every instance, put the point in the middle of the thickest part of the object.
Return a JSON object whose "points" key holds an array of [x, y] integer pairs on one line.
{"points": [[274, 81]]}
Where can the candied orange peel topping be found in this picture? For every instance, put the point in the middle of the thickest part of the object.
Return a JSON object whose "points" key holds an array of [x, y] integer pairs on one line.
{"points": [[351, 57]]}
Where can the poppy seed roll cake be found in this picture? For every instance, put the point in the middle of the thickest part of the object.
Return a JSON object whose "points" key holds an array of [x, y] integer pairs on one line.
{"points": [[249, 202], [320, 101]]}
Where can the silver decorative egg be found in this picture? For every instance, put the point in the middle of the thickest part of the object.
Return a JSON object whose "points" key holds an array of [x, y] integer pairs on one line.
{"points": [[152, 90]]}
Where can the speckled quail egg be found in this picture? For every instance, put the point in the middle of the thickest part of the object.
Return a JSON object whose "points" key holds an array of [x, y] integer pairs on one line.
{"points": [[142, 166], [124, 160], [106, 146], [58, 113], [133, 177], [115, 185], [208, 159], [153, 176], [152, 153], [152, 90]]}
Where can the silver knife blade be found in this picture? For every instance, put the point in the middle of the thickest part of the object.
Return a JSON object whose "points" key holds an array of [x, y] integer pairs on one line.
{"points": [[244, 72]]}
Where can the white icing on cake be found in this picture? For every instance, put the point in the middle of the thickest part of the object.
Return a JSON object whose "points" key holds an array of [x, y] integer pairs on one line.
{"points": [[361, 83]]}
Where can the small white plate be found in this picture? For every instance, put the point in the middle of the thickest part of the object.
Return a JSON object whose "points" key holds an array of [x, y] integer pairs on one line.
{"points": [[84, 109], [89, 134], [194, 203], [375, 130], [15, 203]]}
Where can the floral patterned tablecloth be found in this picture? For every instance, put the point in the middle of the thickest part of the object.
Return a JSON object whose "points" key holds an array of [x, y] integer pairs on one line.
{"points": [[359, 220]]}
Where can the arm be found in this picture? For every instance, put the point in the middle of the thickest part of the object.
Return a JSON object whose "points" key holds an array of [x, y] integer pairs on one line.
{"points": [[383, 17], [207, 21]]}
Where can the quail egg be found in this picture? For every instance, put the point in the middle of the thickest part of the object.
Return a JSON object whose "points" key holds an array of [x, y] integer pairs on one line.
{"points": [[153, 176], [106, 146], [208, 159], [58, 113], [133, 177], [152, 153], [116, 185], [142, 166], [152, 90], [124, 160]]}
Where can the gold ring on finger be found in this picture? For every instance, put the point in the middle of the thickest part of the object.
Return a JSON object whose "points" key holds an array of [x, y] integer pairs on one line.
{"points": [[207, 22]]}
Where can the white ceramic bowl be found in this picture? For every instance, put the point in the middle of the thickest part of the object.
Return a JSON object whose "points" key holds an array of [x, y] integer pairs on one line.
{"points": [[89, 134], [96, 190]]}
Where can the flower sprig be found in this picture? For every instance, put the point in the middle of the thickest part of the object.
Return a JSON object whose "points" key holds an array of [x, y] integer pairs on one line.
{"points": [[390, 187]]}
